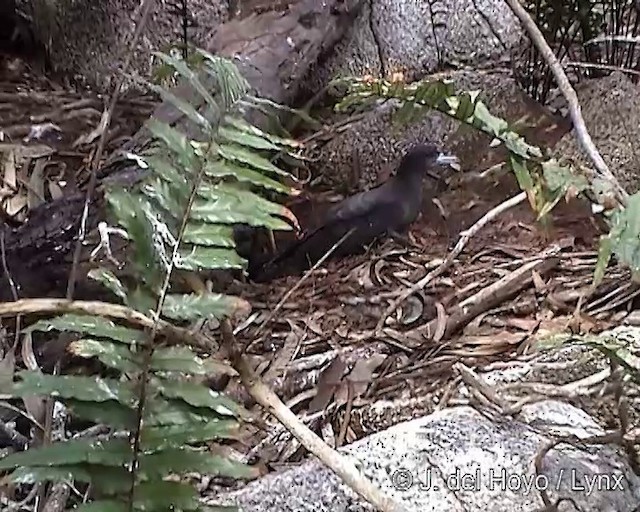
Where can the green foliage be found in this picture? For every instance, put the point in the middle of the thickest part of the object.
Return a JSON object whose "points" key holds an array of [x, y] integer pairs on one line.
{"points": [[623, 239], [582, 31], [527, 161], [545, 180], [162, 421]]}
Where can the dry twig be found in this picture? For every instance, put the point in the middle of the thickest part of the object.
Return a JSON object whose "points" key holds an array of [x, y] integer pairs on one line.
{"points": [[579, 126], [465, 236], [335, 461], [145, 9], [495, 293], [302, 280]]}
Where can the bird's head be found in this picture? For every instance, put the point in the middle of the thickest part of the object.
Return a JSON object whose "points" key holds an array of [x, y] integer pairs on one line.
{"points": [[426, 159]]}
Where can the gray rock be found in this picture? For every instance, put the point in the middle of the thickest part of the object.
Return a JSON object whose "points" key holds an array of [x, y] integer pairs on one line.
{"points": [[356, 54], [422, 464], [611, 110], [89, 40], [399, 36], [566, 366]]}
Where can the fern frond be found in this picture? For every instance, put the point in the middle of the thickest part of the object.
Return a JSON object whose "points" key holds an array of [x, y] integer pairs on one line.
{"points": [[181, 216]]}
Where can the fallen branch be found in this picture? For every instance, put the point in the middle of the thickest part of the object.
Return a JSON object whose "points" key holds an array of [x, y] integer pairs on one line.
{"points": [[495, 293], [579, 126], [174, 335], [465, 236], [487, 298], [475, 382], [335, 461]]}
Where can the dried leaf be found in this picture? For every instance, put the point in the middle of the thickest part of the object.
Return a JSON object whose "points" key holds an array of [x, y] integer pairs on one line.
{"points": [[485, 346], [88, 138], [41, 131], [441, 323], [361, 376], [15, 204], [35, 193], [538, 282], [411, 310], [28, 356], [292, 342], [7, 369], [9, 170], [524, 324], [328, 382], [54, 190]]}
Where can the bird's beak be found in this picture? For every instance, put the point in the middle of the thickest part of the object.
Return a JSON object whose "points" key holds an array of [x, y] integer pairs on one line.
{"points": [[450, 160]]}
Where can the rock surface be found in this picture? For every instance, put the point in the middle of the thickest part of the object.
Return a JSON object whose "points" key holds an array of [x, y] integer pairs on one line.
{"points": [[611, 110], [422, 464], [89, 41], [418, 37]]}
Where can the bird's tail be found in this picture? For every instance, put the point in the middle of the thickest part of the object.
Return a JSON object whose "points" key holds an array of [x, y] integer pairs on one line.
{"points": [[295, 257]]}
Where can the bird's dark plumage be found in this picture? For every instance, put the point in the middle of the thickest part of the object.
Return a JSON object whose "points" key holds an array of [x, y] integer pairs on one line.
{"points": [[390, 207]]}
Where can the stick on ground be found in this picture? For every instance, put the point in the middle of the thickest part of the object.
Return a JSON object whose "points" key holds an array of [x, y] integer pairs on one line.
{"points": [[465, 236], [335, 461]]}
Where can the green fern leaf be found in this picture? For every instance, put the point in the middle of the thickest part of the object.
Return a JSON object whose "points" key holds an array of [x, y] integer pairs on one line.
{"points": [[103, 506], [162, 412], [243, 126], [91, 325], [189, 307], [176, 142], [230, 211], [113, 480], [166, 495], [246, 139], [192, 78], [209, 235], [108, 412], [223, 169], [240, 154], [109, 280], [178, 359], [114, 356], [183, 106], [113, 452], [166, 170], [201, 258], [196, 395], [176, 436], [181, 460], [95, 389]]}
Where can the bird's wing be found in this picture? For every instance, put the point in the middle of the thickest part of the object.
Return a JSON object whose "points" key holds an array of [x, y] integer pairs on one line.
{"points": [[369, 213], [360, 204]]}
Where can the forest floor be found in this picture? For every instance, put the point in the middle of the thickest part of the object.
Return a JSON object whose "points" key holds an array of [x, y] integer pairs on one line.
{"points": [[49, 132]]}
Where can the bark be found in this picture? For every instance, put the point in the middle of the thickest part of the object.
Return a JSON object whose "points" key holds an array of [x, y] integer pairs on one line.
{"points": [[274, 50]]}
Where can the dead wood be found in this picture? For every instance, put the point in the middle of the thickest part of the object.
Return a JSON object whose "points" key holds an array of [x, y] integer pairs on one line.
{"points": [[494, 294], [274, 50]]}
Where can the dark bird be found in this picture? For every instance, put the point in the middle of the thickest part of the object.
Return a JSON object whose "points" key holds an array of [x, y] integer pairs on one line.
{"points": [[385, 210]]}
